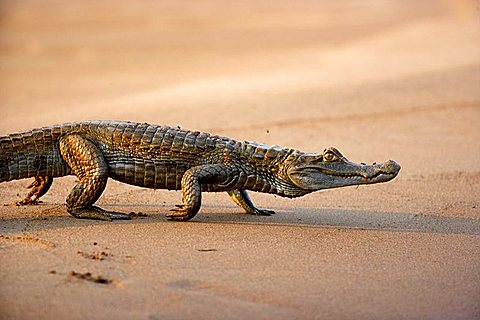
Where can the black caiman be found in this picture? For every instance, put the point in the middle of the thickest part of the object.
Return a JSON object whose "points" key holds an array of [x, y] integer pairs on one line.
{"points": [[162, 157]]}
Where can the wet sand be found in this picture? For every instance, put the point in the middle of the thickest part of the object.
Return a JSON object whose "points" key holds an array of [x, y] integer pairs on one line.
{"points": [[377, 80]]}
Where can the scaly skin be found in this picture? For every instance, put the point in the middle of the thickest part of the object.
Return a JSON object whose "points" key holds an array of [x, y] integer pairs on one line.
{"points": [[162, 157]]}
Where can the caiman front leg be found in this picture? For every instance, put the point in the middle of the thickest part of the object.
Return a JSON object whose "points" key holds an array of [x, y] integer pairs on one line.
{"points": [[88, 164], [214, 174], [241, 198], [39, 187]]}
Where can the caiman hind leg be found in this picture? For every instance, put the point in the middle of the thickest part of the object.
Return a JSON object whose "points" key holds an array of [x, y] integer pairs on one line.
{"points": [[241, 198], [88, 164], [38, 187], [218, 175]]}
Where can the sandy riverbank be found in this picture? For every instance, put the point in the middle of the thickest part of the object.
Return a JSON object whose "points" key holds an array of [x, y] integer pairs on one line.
{"points": [[378, 80]]}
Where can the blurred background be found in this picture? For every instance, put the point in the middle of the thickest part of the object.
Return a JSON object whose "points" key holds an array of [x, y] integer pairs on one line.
{"points": [[235, 62], [377, 79]]}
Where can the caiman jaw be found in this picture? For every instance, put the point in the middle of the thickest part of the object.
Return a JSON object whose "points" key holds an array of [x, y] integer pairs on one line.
{"points": [[331, 170], [367, 174]]}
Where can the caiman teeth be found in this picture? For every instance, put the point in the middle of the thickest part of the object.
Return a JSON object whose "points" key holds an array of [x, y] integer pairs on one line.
{"points": [[356, 175], [341, 174]]}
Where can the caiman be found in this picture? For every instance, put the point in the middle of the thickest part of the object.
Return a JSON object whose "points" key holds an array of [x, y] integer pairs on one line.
{"points": [[162, 157]]}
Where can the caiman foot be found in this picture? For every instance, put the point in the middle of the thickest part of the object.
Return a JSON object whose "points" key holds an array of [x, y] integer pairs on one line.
{"points": [[97, 213], [38, 187], [241, 198], [28, 202], [181, 213], [261, 212]]}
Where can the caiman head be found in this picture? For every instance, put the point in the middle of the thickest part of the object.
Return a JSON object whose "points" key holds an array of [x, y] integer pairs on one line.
{"points": [[330, 169]]}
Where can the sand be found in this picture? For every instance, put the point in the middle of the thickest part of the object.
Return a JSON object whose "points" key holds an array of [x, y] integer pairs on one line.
{"points": [[378, 80]]}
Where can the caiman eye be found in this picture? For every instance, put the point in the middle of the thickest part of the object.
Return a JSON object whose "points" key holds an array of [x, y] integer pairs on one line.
{"points": [[329, 156]]}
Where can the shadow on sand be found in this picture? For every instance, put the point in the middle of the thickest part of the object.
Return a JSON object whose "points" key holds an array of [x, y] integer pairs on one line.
{"points": [[55, 216], [357, 219]]}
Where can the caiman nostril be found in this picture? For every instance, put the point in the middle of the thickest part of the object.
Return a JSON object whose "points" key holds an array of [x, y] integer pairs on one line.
{"points": [[391, 166]]}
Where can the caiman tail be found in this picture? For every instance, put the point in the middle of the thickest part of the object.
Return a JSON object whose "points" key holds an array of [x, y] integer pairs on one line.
{"points": [[32, 153]]}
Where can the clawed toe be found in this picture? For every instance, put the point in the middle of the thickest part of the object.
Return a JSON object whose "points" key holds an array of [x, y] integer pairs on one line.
{"points": [[98, 214], [263, 212], [28, 202], [34, 183], [118, 216], [179, 214], [175, 214]]}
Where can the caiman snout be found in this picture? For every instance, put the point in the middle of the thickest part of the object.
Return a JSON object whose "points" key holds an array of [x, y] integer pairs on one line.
{"points": [[332, 170], [389, 167]]}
